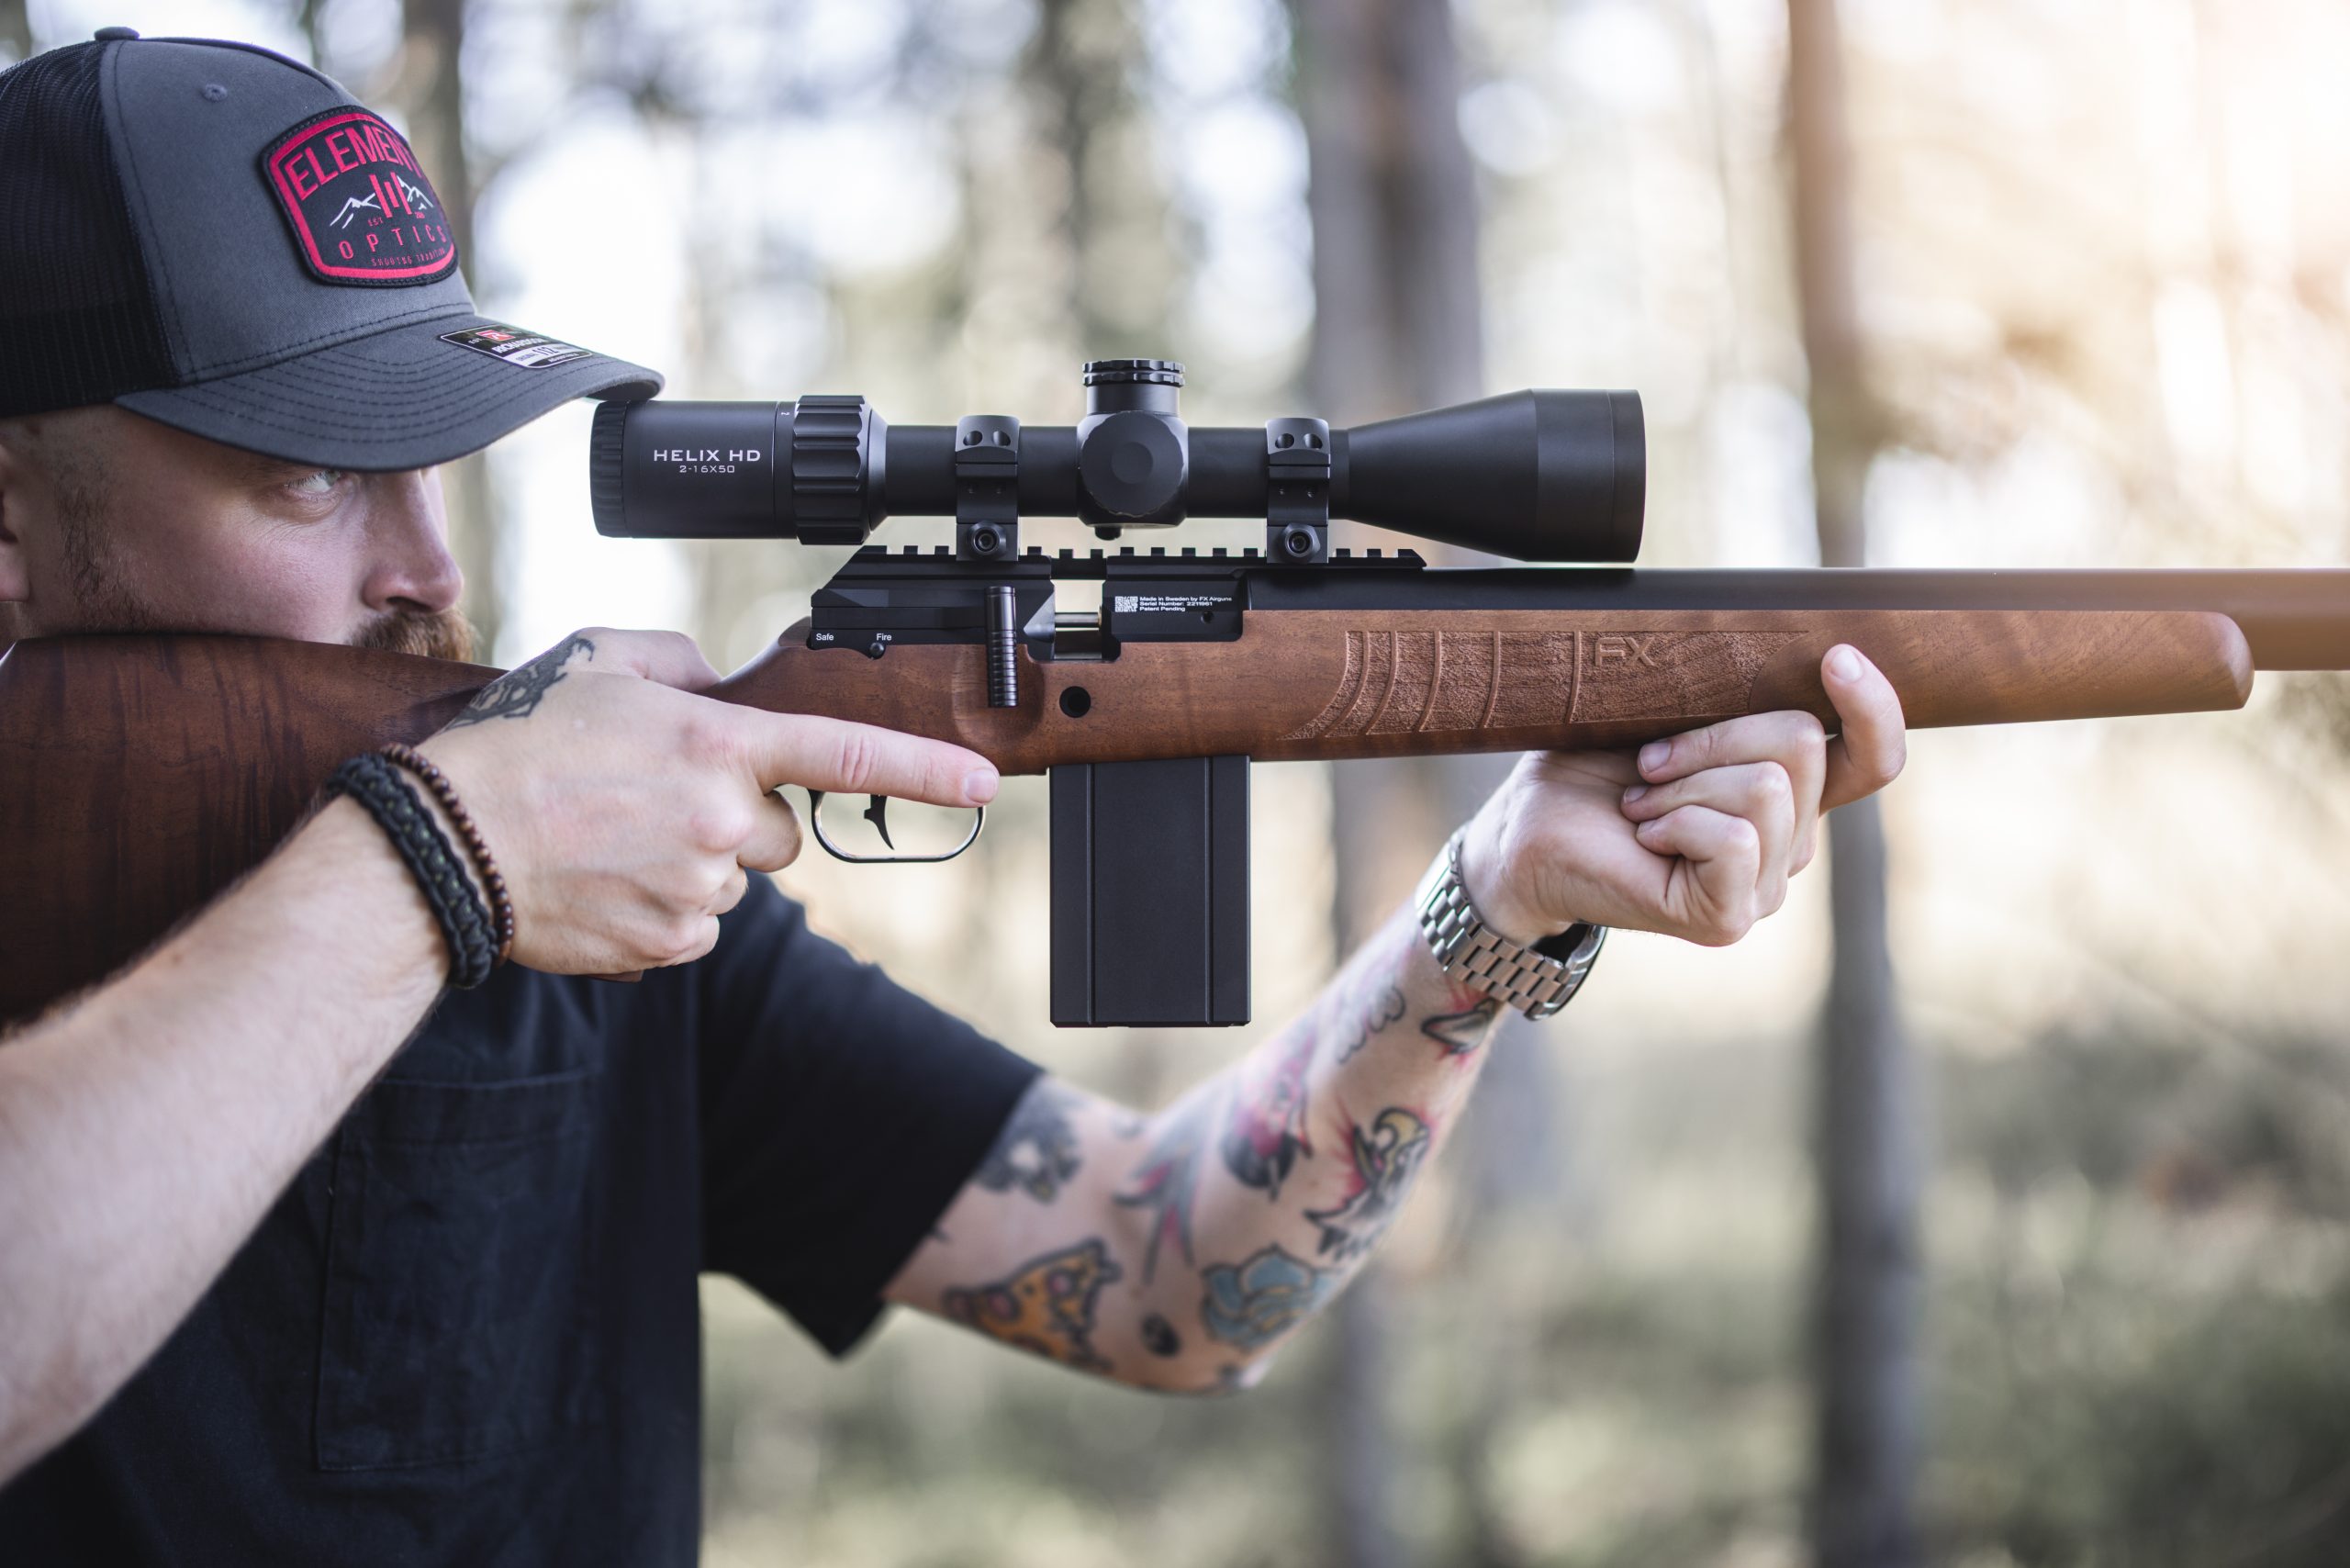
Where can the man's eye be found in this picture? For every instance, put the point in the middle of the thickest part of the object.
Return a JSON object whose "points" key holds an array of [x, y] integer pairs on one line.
{"points": [[319, 483]]}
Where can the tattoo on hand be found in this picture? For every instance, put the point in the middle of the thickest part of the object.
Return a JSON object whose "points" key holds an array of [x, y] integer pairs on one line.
{"points": [[517, 693], [1463, 1032], [1167, 1180], [1387, 1157], [1037, 1151], [1047, 1307], [1265, 1130], [1158, 1336], [1253, 1304]]}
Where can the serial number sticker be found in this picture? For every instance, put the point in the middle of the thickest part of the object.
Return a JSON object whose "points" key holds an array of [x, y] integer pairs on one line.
{"points": [[515, 346], [1165, 603]]}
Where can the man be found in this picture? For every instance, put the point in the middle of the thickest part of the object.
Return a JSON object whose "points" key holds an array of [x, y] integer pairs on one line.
{"points": [[303, 1258]]}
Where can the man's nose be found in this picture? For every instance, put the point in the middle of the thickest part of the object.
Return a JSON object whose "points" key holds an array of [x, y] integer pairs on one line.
{"points": [[409, 567]]}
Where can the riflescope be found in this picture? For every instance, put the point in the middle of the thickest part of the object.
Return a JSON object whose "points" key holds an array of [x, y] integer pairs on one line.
{"points": [[1538, 476]]}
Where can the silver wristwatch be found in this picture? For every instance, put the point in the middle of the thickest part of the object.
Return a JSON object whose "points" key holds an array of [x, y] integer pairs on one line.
{"points": [[1538, 979]]}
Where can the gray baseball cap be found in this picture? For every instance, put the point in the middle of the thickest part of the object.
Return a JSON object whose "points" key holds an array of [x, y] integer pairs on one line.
{"points": [[225, 241]]}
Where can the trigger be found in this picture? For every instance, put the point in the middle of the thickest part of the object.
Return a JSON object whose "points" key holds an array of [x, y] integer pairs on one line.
{"points": [[877, 814]]}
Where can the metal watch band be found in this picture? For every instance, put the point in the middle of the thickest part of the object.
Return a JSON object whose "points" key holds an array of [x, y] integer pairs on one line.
{"points": [[1537, 980]]}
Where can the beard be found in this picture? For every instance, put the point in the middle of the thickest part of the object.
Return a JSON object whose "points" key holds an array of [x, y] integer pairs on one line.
{"points": [[105, 603], [431, 634]]}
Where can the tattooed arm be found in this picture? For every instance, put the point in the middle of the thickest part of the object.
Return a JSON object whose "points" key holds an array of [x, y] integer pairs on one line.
{"points": [[1178, 1251]]}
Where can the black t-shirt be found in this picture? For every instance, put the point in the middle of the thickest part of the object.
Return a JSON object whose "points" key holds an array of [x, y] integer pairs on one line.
{"points": [[468, 1332]]}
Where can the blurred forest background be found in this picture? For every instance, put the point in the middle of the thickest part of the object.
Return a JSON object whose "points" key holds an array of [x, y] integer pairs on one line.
{"points": [[1994, 1210]]}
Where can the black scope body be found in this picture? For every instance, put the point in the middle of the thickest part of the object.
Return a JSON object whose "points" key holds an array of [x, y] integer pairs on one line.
{"points": [[1536, 476]]}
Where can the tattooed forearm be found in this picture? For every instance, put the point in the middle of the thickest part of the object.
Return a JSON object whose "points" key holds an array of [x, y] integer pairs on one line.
{"points": [[1049, 1306], [1355, 1075], [517, 692], [1037, 1150], [1177, 1252]]}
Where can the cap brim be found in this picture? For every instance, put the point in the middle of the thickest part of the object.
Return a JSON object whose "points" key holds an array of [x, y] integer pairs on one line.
{"points": [[396, 399]]}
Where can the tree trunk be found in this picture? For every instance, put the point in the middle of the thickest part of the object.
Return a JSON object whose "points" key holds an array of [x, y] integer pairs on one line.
{"points": [[430, 90], [1398, 327], [1864, 1324]]}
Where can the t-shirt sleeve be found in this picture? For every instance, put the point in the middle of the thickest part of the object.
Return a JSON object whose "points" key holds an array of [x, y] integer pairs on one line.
{"points": [[840, 1114]]}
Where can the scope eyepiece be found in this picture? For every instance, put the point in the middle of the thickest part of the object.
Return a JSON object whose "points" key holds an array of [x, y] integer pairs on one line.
{"points": [[1538, 476]]}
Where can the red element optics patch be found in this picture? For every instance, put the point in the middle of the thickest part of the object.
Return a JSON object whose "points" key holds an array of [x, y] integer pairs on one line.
{"points": [[362, 211]]}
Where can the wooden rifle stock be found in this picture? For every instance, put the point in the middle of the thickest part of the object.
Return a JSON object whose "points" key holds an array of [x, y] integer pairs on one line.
{"points": [[140, 775], [1327, 684]]}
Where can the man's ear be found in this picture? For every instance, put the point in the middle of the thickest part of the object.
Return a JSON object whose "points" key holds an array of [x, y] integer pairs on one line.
{"points": [[16, 462]]}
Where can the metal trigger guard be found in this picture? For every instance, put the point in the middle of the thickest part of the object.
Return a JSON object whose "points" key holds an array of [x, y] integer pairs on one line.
{"points": [[876, 815]]}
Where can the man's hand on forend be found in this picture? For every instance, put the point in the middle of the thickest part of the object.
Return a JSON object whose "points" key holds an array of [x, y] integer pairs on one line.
{"points": [[1695, 836], [625, 812]]}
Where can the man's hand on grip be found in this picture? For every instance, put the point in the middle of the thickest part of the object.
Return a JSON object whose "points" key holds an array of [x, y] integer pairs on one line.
{"points": [[1695, 836], [626, 812]]}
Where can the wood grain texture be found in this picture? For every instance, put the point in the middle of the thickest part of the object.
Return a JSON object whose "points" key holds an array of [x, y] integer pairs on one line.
{"points": [[140, 776], [1335, 684]]}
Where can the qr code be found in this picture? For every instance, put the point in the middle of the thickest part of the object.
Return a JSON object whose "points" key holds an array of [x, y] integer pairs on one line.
{"points": [[1122, 604]]}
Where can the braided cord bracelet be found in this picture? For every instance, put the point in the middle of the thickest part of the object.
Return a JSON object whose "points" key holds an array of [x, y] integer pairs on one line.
{"points": [[378, 785], [501, 902]]}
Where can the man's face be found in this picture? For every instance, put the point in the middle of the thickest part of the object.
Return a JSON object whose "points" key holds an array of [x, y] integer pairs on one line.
{"points": [[111, 522]]}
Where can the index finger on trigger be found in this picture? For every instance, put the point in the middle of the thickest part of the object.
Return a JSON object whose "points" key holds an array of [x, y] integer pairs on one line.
{"points": [[834, 755], [1873, 744]]}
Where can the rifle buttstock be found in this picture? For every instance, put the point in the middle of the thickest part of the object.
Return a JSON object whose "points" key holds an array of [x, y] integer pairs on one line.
{"points": [[141, 775]]}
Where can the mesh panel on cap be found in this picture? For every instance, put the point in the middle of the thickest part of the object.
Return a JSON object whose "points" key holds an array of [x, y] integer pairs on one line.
{"points": [[77, 320]]}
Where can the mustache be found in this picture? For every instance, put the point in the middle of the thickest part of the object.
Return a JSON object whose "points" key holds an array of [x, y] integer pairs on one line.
{"points": [[431, 634]]}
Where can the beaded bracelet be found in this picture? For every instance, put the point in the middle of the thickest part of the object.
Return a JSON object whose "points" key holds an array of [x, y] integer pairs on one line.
{"points": [[501, 902], [372, 781]]}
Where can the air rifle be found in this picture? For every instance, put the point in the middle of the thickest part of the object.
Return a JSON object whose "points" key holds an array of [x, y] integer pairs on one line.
{"points": [[1146, 714]]}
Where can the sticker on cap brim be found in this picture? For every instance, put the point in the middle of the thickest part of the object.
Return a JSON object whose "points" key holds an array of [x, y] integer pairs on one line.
{"points": [[362, 211], [516, 346]]}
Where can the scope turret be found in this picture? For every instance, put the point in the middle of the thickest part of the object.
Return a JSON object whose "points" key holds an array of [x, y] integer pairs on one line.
{"points": [[1536, 476]]}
